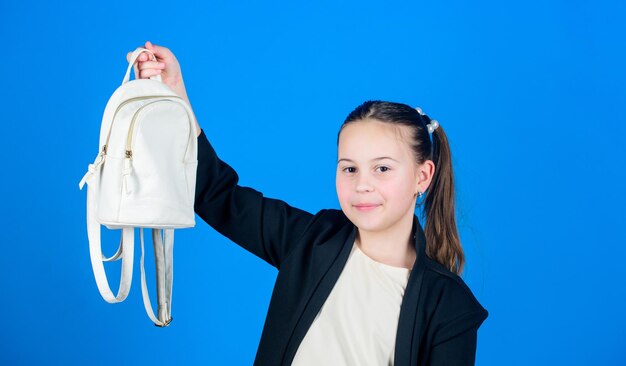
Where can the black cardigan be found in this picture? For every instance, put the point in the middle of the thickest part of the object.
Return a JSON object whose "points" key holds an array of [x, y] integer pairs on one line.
{"points": [[439, 315]]}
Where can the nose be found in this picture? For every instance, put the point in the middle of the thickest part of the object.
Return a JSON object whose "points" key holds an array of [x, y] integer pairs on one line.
{"points": [[363, 184]]}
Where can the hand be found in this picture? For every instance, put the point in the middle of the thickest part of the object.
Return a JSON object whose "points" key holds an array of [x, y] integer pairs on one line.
{"points": [[165, 65]]}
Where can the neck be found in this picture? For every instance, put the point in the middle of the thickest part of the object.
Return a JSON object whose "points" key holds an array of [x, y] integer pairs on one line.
{"points": [[393, 246]]}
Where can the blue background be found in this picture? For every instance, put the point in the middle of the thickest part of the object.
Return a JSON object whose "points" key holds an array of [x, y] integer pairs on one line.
{"points": [[531, 95]]}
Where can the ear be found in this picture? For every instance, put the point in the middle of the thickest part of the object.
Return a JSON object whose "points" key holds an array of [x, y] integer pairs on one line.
{"points": [[424, 175]]}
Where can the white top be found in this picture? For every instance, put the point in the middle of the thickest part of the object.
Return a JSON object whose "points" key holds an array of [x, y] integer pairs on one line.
{"points": [[358, 322]]}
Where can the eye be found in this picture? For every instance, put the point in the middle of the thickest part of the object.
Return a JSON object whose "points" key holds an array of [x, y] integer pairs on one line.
{"points": [[348, 169], [383, 168]]}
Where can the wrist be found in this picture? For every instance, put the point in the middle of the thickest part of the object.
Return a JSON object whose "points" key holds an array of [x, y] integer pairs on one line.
{"points": [[178, 86]]}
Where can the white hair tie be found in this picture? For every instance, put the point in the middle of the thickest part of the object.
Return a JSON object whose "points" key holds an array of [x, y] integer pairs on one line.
{"points": [[432, 126]]}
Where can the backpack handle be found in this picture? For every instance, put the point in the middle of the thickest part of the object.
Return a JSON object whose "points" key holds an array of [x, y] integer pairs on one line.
{"points": [[133, 60]]}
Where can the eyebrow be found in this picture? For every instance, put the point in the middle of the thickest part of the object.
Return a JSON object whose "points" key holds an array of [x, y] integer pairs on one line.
{"points": [[375, 159]]}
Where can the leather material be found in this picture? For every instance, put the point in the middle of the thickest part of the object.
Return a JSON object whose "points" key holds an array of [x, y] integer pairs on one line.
{"points": [[144, 176]]}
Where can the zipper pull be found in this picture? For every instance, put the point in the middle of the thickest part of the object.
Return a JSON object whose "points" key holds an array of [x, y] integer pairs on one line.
{"points": [[92, 168], [127, 180]]}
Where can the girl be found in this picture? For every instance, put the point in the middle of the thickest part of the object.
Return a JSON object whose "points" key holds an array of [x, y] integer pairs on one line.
{"points": [[364, 285]]}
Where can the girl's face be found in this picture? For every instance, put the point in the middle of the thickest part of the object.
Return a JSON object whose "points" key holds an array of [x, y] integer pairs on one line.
{"points": [[377, 175]]}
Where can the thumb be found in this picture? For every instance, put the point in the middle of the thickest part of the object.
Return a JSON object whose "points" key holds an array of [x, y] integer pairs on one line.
{"points": [[160, 52], [152, 48]]}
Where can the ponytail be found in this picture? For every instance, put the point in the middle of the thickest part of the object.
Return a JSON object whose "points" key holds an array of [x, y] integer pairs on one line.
{"points": [[442, 237]]}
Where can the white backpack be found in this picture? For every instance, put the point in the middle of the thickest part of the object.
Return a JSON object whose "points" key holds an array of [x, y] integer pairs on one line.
{"points": [[144, 176]]}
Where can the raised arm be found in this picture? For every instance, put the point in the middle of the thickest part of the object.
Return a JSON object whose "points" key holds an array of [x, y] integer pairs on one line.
{"points": [[266, 227]]}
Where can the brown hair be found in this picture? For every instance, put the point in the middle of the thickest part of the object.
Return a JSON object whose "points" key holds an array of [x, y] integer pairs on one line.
{"points": [[442, 237]]}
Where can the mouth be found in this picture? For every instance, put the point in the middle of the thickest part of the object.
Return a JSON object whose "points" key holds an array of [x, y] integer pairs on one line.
{"points": [[366, 206]]}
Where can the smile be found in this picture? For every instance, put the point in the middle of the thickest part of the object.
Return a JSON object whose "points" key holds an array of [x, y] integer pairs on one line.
{"points": [[366, 207]]}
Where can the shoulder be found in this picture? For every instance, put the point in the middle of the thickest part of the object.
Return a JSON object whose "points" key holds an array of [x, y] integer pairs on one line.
{"points": [[327, 222], [333, 215], [449, 284], [449, 302]]}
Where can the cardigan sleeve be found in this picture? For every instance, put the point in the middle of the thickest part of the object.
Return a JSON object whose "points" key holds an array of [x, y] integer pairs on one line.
{"points": [[455, 345], [266, 227], [455, 317]]}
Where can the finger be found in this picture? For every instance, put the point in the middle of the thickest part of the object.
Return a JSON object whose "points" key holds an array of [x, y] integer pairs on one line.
{"points": [[144, 74], [159, 51], [151, 65], [142, 57], [136, 70], [154, 48]]}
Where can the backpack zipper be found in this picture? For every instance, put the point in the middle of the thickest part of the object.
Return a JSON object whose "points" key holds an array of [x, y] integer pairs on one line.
{"points": [[135, 99], [127, 184], [93, 168], [129, 138]]}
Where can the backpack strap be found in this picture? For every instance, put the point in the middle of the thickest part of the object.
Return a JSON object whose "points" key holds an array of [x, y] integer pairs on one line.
{"points": [[133, 59], [117, 254], [125, 250], [163, 258]]}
